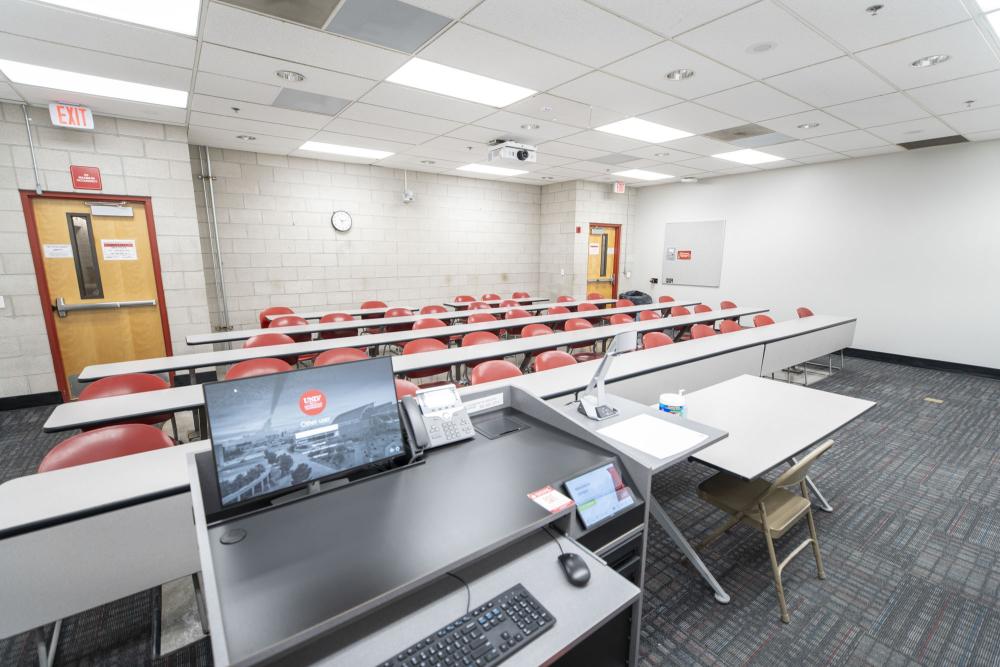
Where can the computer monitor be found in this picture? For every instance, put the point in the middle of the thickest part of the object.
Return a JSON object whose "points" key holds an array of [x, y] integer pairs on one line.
{"points": [[274, 433]]}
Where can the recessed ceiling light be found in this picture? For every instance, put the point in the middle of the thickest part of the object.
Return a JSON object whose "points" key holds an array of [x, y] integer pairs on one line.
{"points": [[748, 156], [930, 61], [425, 75], [546, 109], [530, 126], [994, 20], [246, 137], [761, 47], [289, 75], [548, 178], [689, 179], [661, 154], [351, 151], [60, 79], [808, 126], [173, 15], [428, 162], [913, 132], [679, 74], [487, 169], [643, 175], [989, 5], [643, 130]]}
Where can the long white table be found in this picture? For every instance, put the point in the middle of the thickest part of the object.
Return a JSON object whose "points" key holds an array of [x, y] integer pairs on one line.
{"points": [[243, 334], [496, 302], [191, 362]]}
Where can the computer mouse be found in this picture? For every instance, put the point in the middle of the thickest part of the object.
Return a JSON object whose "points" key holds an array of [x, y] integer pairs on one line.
{"points": [[575, 568]]}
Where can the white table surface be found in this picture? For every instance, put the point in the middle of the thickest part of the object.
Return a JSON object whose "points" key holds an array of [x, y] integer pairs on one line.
{"points": [[357, 312], [768, 421], [495, 302]]}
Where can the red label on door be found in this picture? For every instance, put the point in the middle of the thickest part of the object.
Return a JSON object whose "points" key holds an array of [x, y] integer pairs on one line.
{"points": [[312, 402], [85, 178], [683, 254]]}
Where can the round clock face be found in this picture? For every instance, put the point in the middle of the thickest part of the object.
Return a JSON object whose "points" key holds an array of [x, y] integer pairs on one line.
{"points": [[341, 221]]}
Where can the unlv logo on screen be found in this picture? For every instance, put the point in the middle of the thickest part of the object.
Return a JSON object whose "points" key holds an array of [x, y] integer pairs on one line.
{"points": [[312, 402]]}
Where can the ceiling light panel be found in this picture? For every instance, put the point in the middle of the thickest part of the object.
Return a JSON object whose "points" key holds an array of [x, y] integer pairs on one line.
{"points": [[495, 171], [643, 130], [989, 5], [350, 151], [58, 79], [748, 156], [643, 175], [390, 23], [453, 82], [172, 15]]}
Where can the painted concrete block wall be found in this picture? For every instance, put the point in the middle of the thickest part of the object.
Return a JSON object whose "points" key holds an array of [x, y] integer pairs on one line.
{"points": [[135, 158]]}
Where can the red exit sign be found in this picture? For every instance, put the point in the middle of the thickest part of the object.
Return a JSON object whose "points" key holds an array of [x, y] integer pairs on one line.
{"points": [[72, 116]]}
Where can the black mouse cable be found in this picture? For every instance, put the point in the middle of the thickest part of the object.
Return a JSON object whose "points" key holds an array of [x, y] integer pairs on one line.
{"points": [[468, 591], [554, 539]]}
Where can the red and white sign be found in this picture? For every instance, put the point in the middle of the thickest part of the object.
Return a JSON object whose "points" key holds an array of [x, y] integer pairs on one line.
{"points": [[619, 187], [683, 254], [119, 250], [550, 499], [312, 402], [71, 116], [85, 178]]}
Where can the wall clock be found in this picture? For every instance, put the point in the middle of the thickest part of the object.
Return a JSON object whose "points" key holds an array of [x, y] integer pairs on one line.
{"points": [[341, 221]]}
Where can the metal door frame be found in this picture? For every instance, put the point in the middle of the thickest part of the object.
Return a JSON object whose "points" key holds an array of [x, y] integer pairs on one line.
{"points": [[27, 203], [618, 249]]}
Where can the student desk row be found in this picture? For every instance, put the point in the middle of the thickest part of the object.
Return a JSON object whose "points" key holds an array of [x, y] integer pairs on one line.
{"points": [[361, 312]]}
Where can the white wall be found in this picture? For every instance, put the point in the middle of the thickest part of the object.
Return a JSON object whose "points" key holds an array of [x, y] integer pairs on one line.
{"points": [[908, 242], [136, 159]]}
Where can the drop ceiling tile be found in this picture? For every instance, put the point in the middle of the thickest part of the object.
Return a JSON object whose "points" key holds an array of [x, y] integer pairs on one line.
{"points": [[882, 110], [389, 23], [951, 96], [417, 163], [677, 169], [481, 52], [218, 85], [511, 124], [221, 106], [103, 106], [89, 31], [983, 136], [327, 157], [699, 146], [562, 172], [233, 126], [790, 124], [826, 157], [254, 67], [361, 142], [692, 118], [672, 17], [783, 164], [847, 141], [480, 135], [833, 82], [975, 120], [736, 170], [567, 112], [404, 98], [876, 150], [569, 28], [608, 143], [708, 164], [361, 129], [603, 90], [199, 135], [396, 118], [7, 93], [247, 31], [648, 67], [912, 130], [796, 149], [592, 167], [847, 22], [662, 153], [730, 40], [970, 54], [570, 150], [450, 148], [754, 102], [451, 8]]}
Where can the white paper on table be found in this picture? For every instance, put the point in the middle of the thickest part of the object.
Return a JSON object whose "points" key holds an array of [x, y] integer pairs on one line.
{"points": [[650, 435]]}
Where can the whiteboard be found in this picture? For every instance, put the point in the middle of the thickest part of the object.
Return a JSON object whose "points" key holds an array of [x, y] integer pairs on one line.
{"points": [[692, 253]]}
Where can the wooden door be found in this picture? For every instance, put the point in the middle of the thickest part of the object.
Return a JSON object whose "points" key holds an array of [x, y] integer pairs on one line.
{"points": [[602, 260], [99, 280]]}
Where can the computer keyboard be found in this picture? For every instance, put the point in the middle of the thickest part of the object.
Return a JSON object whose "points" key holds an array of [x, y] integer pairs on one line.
{"points": [[487, 635]]}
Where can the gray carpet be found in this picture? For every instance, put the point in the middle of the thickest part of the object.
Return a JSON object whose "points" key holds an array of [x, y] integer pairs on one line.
{"points": [[912, 552]]}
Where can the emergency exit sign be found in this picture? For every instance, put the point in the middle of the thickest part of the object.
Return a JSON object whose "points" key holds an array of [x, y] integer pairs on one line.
{"points": [[72, 116]]}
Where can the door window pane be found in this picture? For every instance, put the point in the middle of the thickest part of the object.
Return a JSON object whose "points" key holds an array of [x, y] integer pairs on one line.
{"points": [[88, 273]]}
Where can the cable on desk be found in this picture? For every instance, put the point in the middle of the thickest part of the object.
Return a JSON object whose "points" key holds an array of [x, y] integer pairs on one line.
{"points": [[468, 591], [554, 539]]}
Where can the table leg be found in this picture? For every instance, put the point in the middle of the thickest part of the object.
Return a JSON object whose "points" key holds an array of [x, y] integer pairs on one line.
{"points": [[678, 538], [822, 503]]}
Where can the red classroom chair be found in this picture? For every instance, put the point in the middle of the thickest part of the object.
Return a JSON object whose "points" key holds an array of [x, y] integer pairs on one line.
{"points": [[665, 299], [558, 310], [491, 371], [331, 318], [802, 311], [482, 317], [576, 324], [431, 323], [464, 298], [433, 310], [647, 315], [702, 331], [520, 295], [267, 339], [536, 330], [621, 318], [273, 310], [292, 321], [656, 339], [729, 326], [123, 385], [491, 297], [405, 388], [426, 345], [254, 367], [509, 303], [479, 305], [478, 338], [594, 295], [727, 304], [762, 320], [584, 307], [623, 303], [365, 305], [101, 444], [679, 311], [702, 308], [340, 355], [516, 314], [564, 299], [553, 359]]}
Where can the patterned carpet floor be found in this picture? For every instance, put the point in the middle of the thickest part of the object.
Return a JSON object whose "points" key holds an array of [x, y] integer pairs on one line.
{"points": [[912, 550]]}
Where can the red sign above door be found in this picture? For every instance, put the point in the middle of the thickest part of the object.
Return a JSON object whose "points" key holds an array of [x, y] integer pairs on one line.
{"points": [[85, 178], [683, 254]]}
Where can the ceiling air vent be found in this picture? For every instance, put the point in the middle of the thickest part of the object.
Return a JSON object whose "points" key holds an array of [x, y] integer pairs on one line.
{"points": [[314, 13], [749, 136], [939, 141]]}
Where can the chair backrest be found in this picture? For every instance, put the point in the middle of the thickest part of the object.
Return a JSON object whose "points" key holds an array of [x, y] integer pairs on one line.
{"points": [[594, 295], [702, 308], [482, 317], [623, 303], [797, 473], [553, 359], [702, 331], [104, 443], [423, 345], [273, 310], [260, 340], [431, 310], [254, 367], [515, 313], [509, 303], [665, 299], [762, 320], [564, 299], [620, 318], [727, 304], [678, 311], [339, 333], [398, 312], [340, 355], [291, 321], [479, 338], [647, 315], [520, 295], [802, 311], [587, 306], [578, 323], [536, 330], [373, 304], [656, 339], [464, 298], [428, 323], [121, 385], [490, 371], [478, 305], [558, 310], [405, 388], [491, 297], [729, 326]]}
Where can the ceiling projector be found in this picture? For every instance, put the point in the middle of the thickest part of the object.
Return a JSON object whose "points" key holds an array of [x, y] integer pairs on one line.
{"points": [[510, 150]]}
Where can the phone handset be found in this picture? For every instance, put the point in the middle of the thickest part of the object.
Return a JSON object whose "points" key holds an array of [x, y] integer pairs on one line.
{"points": [[436, 417], [413, 423]]}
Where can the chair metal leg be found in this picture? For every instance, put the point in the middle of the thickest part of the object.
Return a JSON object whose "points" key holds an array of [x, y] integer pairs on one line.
{"points": [[47, 652], [199, 597], [775, 568], [173, 427], [678, 538], [822, 503], [815, 545]]}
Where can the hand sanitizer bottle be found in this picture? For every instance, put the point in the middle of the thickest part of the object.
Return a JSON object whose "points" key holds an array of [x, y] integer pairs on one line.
{"points": [[674, 403]]}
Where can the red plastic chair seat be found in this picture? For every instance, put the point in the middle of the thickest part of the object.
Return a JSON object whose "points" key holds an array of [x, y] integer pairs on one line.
{"points": [[267, 339], [491, 371], [254, 367], [273, 310], [425, 345], [665, 299], [553, 359], [330, 318], [123, 385], [101, 444], [655, 339], [702, 331], [340, 355]]}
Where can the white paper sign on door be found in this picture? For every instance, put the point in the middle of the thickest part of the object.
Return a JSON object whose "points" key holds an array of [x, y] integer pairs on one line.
{"points": [[58, 251], [116, 250]]}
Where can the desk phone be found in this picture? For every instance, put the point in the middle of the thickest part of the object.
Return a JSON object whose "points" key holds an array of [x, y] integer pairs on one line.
{"points": [[437, 417]]}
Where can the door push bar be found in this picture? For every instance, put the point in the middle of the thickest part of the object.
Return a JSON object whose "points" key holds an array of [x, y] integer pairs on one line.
{"points": [[64, 309]]}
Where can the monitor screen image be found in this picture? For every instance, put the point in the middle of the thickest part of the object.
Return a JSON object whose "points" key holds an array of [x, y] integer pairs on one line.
{"points": [[599, 494], [274, 432]]}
